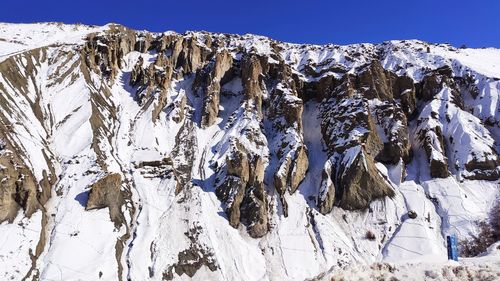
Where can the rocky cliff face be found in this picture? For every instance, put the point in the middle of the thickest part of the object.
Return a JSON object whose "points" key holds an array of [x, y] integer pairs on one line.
{"points": [[208, 139]]}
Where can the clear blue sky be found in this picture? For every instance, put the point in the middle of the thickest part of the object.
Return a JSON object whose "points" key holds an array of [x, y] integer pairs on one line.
{"points": [[475, 23]]}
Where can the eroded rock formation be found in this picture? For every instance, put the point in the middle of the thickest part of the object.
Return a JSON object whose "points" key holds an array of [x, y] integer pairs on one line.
{"points": [[106, 193], [170, 119]]}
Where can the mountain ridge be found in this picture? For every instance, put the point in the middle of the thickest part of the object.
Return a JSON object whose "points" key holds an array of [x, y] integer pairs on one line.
{"points": [[288, 153]]}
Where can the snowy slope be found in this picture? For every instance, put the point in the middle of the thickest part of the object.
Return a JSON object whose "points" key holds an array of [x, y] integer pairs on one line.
{"points": [[81, 126]]}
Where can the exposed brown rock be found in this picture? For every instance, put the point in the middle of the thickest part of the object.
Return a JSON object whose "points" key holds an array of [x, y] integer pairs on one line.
{"points": [[101, 121], [298, 172], [431, 137], [316, 89], [190, 260], [252, 76], [163, 79], [484, 169], [106, 192], [183, 154], [179, 108], [137, 74], [188, 56], [360, 183], [18, 189], [254, 205], [143, 42], [375, 82], [292, 171], [285, 112], [152, 81], [404, 90], [429, 140], [430, 86], [326, 196], [349, 130], [391, 118], [243, 191], [223, 63], [103, 53], [232, 190]]}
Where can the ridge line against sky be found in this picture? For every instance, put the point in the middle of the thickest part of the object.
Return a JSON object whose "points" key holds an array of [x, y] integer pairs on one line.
{"points": [[473, 23]]}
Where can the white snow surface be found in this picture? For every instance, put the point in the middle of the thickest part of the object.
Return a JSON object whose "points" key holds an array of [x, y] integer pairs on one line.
{"points": [[484, 267], [80, 245]]}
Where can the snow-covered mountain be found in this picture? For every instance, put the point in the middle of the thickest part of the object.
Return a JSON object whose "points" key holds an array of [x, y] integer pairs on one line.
{"points": [[131, 155]]}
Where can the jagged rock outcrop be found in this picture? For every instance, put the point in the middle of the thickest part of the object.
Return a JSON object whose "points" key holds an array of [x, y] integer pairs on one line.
{"points": [[286, 114], [252, 75], [349, 130], [183, 155], [394, 127], [18, 189], [375, 82], [178, 109], [243, 191], [103, 53], [218, 73], [448, 134], [326, 196], [197, 137], [404, 90], [232, 190], [106, 193], [359, 180], [22, 188], [190, 260]]}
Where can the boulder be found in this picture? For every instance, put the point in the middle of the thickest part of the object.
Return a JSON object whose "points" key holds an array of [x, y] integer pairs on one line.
{"points": [[106, 193], [412, 214]]}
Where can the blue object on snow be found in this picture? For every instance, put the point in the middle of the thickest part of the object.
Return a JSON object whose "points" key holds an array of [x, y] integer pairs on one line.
{"points": [[452, 247]]}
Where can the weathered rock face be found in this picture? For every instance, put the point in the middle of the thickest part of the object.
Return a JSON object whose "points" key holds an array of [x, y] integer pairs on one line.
{"points": [[445, 131], [243, 191], [360, 182], [152, 81], [190, 260], [183, 154], [271, 128], [106, 193], [254, 205], [18, 189], [365, 115], [252, 74], [433, 143], [285, 112], [218, 72], [392, 120], [326, 197], [404, 90], [375, 82], [103, 52], [353, 141], [487, 168], [233, 188]]}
